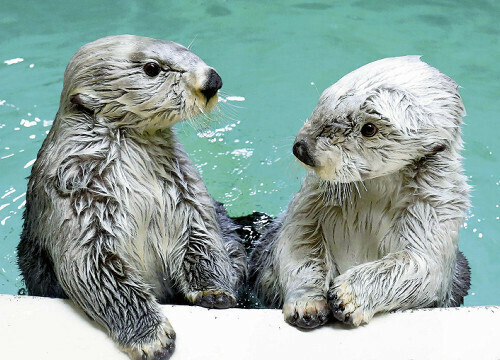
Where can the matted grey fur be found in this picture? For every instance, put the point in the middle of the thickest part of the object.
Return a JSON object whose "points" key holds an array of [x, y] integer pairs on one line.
{"points": [[375, 224], [117, 217]]}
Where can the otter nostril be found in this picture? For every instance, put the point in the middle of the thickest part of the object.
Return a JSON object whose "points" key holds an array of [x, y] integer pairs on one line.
{"points": [[302, 153], [212, 85]]}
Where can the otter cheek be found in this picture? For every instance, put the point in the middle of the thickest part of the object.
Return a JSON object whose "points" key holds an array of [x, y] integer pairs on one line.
{"points": [[212, 103], [204, 83], [328, 165], [193, 100], [323, 173]]}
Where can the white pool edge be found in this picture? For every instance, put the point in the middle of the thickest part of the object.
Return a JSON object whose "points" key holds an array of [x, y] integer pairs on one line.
{"points": [[42, 328]]}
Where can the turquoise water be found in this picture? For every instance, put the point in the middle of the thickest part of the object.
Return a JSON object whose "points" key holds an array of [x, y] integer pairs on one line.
{"points": [[275, 58]]}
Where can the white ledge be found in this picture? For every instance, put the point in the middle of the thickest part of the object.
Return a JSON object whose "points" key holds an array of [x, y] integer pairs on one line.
{"points": [[52, 329]]}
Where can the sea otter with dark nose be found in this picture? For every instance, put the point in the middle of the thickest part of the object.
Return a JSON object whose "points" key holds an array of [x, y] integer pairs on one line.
{"points": [[375, 224], [117, 217]]}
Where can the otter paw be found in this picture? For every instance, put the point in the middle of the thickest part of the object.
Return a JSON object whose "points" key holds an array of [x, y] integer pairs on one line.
{"points": [[159, 349], [345, 305], [213, 299], [306, 313]]}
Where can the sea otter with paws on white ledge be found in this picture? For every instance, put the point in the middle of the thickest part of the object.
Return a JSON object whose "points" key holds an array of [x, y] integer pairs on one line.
{"points": [[375, 224], [117, 217]]}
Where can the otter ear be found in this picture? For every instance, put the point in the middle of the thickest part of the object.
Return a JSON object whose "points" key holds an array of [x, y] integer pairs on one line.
{"points": [[435, 147], [85, 101]]}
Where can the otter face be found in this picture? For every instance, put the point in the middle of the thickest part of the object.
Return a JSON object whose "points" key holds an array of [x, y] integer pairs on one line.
{"points": [[379, 119], [139, 82], [352, 142]]}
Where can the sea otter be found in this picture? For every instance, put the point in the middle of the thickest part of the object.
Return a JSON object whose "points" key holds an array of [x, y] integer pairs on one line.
{"points": [[375, 225], [117, 217]]}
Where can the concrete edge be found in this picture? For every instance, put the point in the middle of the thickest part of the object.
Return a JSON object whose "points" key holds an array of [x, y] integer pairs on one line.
{"points": [[42, 328]]}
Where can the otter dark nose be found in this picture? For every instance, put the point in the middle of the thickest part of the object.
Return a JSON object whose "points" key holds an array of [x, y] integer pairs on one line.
{"points": [[301, 152], [212, 85]]}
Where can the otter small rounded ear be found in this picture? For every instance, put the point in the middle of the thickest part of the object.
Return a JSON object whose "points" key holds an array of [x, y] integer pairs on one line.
{"points": [[439, 147], [435, 148], [85, 102]]}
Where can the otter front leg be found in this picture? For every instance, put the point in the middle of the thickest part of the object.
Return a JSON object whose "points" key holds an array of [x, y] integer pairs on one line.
{"points": [[416, 272], [307, 312], [305, 302], [303, 274], [207, 277], [112, 293], [382, 285]]}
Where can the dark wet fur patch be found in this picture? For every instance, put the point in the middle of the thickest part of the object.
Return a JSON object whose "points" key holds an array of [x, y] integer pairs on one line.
{"points": [[251, 227]]}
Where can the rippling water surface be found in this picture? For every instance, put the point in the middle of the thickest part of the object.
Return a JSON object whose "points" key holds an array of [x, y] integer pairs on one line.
{"points": [[275, 58]]}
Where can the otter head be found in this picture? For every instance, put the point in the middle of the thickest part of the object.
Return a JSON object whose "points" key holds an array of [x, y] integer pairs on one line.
{"points": [[138, 82], [379, 119]]}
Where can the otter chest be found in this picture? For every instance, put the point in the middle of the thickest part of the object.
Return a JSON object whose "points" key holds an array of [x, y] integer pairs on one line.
{"points": [[355, 231], [150, 198]]}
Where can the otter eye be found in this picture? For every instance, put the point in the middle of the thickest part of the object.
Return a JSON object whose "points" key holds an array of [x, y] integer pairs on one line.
{"points": [[152, 69], [369, 130]]}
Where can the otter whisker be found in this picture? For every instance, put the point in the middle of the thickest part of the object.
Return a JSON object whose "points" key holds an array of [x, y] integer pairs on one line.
{"points": [[364, 186], [192, 42], [294, 170], [228, 109], [285, 143], [352, 181], [355, 183]]}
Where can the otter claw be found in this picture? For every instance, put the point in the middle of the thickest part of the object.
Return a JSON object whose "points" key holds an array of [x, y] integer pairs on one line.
{"points": [[215, 299], [306, 313]]}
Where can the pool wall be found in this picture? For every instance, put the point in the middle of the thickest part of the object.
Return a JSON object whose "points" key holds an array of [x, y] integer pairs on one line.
{"points": [[42, 328]]}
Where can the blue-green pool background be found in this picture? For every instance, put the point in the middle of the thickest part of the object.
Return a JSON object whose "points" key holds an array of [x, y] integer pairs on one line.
{"points": [[275, 58]]}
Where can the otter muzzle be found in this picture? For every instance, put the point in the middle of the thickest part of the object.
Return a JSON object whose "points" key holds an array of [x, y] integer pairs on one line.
{"points": [[211, 85]]}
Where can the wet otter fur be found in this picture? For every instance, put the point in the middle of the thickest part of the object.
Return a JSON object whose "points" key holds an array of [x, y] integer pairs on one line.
{"points": [[117, 217], [375, 225]]}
